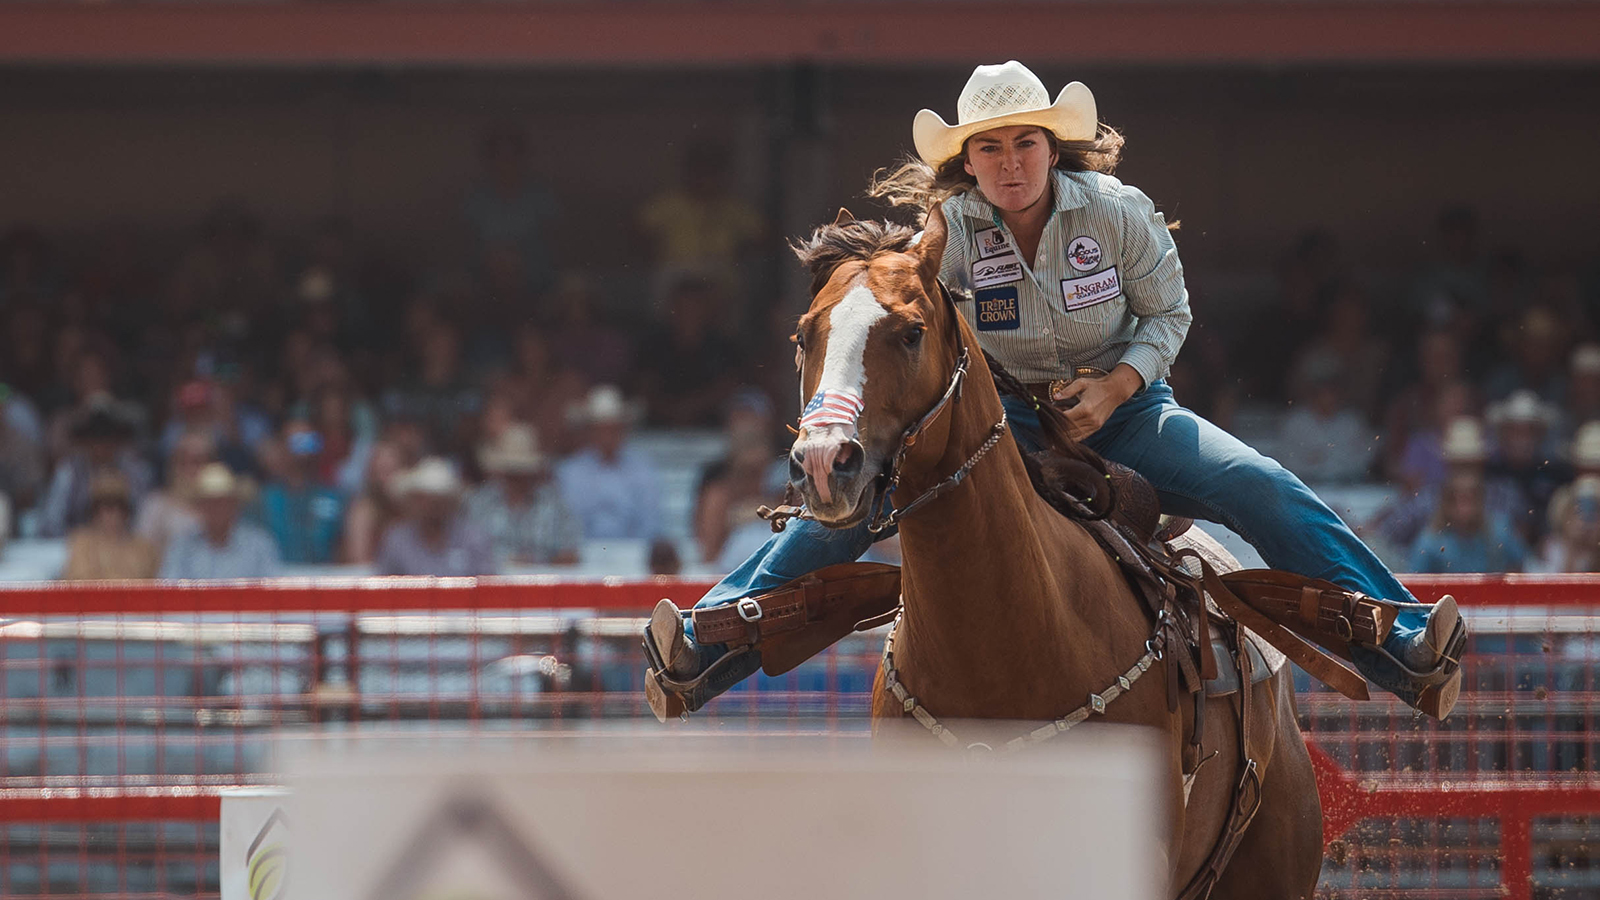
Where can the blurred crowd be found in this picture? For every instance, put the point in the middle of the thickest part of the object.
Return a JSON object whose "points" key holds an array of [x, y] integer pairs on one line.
{"points": [[250, 400]]}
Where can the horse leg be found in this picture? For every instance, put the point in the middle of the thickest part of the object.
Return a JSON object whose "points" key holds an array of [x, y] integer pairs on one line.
{"points": [[1280, 855]]}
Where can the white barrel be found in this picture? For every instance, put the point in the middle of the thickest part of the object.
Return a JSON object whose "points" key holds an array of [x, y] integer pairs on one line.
{"points": [[255, 844]]}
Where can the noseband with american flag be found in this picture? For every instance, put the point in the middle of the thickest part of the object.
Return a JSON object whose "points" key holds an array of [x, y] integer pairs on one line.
{"points": [[832, 407]]}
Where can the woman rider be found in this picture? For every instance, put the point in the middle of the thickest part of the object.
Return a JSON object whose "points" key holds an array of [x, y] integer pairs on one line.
{"points": [[1071, 280]]}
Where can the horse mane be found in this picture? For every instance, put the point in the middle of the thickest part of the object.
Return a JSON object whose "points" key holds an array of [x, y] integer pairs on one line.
{"points": [[831, 245], [1069, 476]]}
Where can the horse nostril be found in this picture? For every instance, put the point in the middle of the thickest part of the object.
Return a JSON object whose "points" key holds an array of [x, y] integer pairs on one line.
{"points": [[797, 467], [847, 464]]}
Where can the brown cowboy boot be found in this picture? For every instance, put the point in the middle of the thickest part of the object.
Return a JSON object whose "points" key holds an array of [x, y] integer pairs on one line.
{"points": [[1439, 640], [665, 631]]}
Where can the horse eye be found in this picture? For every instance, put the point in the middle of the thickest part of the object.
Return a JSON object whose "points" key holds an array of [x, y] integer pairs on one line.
{"points": [[914, 335]]}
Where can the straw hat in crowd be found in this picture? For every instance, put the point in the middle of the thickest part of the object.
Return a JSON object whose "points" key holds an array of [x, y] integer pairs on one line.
{"points": [[1586, 446], [1521, 408], [433, 477], [605, 405], [217, 482], [1002, 95], [516, 452], [1464, 442]]}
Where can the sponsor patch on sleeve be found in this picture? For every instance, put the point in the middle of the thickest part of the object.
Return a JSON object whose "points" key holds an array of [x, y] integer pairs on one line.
{"points": [[999, 270], [997, 309], [1076, 293], [992, 242]]}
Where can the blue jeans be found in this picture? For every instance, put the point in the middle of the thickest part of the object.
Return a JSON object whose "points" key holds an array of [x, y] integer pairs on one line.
{"points": [[1199, 471]]}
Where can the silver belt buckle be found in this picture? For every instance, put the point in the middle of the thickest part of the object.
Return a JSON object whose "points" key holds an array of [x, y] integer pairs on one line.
{"points": [[749, 610]]}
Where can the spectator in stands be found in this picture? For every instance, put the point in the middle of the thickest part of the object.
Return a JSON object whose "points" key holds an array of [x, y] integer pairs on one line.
{"points": [[200, 407], [510, 219], [1438, 364], [304, 514], [1346, 343], [376, 507], [223, 546], [1423, 462], [752, 473], [106, 547], [580, 338], [613, 487], [102, 440], [1573, 544], [700, 230], [440, 397], [1466, 453], [1457, 280], [170, 511], [231, 274], [687, 371], [21, 456], [435, 538], [1526, 456], [1464, 536], [522, 510], [1304, 278], [89, 388], [349, 428], [1536, 359], [1323, 439], [1583, 389]]}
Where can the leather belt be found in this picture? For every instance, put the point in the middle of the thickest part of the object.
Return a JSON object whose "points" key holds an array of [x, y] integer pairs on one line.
{"points": [[1046, 390]]}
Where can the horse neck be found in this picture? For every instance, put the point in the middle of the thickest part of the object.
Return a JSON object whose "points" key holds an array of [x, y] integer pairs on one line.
{"points": [[989, 568]]}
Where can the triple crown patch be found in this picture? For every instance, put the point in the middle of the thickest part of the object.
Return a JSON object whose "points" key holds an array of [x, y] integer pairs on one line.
{"points": [[997, 309]]}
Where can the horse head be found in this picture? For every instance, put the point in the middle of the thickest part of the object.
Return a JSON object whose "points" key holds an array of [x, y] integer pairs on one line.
{"points": [[876, 351]]}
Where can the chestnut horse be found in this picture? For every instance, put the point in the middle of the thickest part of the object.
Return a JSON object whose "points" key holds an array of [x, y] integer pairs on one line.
{"points": [[1011, 609]]}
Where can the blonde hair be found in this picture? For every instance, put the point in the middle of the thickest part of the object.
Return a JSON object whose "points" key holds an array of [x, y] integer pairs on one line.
{"points": [[916, 184]]}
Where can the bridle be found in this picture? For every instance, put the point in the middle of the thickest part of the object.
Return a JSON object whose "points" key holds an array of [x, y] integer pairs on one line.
{"points": [[884, 516]]}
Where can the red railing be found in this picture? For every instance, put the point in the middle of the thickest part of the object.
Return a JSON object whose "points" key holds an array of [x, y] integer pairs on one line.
{"points": [[128, 706]]}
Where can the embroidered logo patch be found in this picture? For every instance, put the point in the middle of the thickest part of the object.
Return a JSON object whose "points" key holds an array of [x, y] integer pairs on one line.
{"points": [[1083, 254], [1000, 270], [1091, 289], [992, 242], [998, 310], [832, 407]]}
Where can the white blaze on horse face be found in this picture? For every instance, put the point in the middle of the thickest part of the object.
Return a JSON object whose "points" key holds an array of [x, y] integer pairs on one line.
{"points": [[844, 373]]}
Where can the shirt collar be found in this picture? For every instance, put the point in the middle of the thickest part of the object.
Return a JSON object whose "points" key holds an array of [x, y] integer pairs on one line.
{"points": [[1068, 196]]}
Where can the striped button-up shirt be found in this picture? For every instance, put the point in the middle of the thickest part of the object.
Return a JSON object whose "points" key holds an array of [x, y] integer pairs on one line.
{"points": [[1105, 287]]}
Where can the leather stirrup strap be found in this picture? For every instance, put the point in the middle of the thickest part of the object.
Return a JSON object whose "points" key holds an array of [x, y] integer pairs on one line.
{"points": [[1317, 664], [863, 586]]}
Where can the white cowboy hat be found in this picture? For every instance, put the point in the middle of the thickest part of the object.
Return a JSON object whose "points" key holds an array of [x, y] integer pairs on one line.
{"points": [[433, 476], [1523, 407], [216, 481], [1463, 441], [997, 96], [1586, 446], [1586, 359], [516, 452], [605, 404]]}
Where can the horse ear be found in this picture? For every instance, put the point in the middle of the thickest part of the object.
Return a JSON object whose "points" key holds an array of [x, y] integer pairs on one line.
{"points": [[931, 246], [843, 218]]}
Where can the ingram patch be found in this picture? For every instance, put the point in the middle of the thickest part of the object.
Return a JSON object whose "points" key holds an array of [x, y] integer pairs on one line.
{"points": [[1076, 293]]}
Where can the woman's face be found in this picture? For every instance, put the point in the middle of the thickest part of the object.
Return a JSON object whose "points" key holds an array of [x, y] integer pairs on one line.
{"points": [[1012, 165]]}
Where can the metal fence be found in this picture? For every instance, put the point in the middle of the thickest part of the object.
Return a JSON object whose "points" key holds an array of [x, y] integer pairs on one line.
{"points": [[127, 708]]}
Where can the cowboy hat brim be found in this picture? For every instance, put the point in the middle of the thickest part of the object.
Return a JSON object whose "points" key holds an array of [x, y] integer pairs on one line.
{"points": [[1071, 118]]}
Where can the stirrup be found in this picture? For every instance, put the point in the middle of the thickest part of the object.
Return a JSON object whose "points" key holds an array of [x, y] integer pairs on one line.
{"points": [[673, 697], [1449, 658]]}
